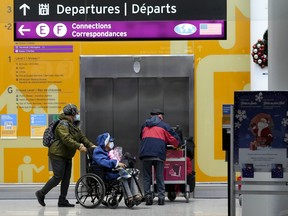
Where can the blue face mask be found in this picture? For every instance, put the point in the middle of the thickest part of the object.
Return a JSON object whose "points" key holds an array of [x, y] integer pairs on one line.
{"points": [[111, 145], [77, 117]]}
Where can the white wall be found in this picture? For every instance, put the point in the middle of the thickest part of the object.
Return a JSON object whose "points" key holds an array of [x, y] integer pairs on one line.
{"points": [[258, 26], [269, 204]]}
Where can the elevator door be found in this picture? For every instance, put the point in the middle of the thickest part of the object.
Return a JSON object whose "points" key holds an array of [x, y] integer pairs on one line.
{"points": [[118, 93], [121, 105]]}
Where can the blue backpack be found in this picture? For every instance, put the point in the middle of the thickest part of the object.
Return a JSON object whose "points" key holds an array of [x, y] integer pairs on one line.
{"points": [[49, 133]]}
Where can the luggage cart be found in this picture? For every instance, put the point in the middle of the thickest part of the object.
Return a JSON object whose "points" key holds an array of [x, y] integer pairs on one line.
{"points": [[175, 174]]}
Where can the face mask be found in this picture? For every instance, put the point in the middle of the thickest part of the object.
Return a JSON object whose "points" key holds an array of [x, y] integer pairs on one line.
{"points": [[77, 117], [111, 145]]}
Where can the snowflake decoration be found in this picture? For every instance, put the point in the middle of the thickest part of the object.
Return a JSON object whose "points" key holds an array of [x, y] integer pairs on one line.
{"points": [[259, 97], [284, 122], [237, 125], [286, 138], [241, 115]]}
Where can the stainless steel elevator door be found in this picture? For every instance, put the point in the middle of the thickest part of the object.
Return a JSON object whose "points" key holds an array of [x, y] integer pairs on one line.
{"points": [[121, 105]]}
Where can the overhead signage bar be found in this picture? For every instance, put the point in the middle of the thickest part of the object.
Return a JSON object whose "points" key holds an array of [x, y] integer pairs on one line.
{"points": [[114, 30], [119, 20]]}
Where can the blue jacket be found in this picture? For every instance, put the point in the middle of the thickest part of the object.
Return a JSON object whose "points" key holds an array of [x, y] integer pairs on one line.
{"points": [[155, 135], [101, 158]]}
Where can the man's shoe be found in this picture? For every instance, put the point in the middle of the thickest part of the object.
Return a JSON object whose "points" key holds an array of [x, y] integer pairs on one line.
{"points": [[40, 197], [149, 200], [161, 201], [65, 204]]}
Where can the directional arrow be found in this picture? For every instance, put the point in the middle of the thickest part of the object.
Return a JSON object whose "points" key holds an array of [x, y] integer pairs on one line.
{"points": [[22, 30], [24, 7]]}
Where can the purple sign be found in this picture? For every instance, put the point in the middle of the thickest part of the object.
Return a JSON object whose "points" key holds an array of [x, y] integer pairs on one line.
{"points": [[120, 30]]}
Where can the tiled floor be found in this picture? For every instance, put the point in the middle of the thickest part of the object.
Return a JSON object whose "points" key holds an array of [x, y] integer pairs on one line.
{"points": [[195, 207]]}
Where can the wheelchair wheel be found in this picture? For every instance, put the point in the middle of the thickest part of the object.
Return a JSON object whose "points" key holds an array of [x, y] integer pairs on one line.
{"points": [[90, 190], [171, 196], [113, 202], [113, 193], [105, 202]]}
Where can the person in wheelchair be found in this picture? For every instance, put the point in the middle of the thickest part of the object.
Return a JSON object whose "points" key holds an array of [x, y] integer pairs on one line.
{"points": [[115, 169]]}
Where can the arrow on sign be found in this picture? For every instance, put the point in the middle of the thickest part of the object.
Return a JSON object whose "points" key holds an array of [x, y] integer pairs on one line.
{"points": [[22, 30], [24, 7]]}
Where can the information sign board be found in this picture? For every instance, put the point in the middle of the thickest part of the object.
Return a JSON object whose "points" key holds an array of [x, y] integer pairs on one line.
{"points": [[119, 20]]}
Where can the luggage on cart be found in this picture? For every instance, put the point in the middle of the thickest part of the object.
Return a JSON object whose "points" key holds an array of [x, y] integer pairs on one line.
{"points": [[179, 174], [175, 187], [173, 190]]}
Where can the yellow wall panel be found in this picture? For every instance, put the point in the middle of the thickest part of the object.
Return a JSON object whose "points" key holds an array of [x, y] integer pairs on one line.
{"points": [[126, 48], [215, 61], [224, 86], [212, 57], [25, 165]]}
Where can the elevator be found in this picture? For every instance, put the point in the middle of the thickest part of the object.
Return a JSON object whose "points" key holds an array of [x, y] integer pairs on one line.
{"points": [[118, 93]]}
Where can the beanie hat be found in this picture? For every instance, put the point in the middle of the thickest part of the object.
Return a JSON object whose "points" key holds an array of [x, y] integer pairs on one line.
{"points": [[156, 111], [70, 109]]}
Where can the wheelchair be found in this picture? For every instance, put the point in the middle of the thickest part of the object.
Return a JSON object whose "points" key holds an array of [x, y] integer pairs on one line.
{"points": [[92, 189]]}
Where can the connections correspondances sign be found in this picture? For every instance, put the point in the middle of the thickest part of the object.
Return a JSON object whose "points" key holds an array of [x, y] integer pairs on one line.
{"points": [[119, 20]]}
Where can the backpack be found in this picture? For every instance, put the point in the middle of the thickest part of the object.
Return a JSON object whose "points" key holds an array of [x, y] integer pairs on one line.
{"points": [[49, 135], [190, 146]]}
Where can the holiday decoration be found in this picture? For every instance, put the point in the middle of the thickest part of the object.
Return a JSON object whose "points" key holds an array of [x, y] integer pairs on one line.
{"points": [[260, 51]]}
